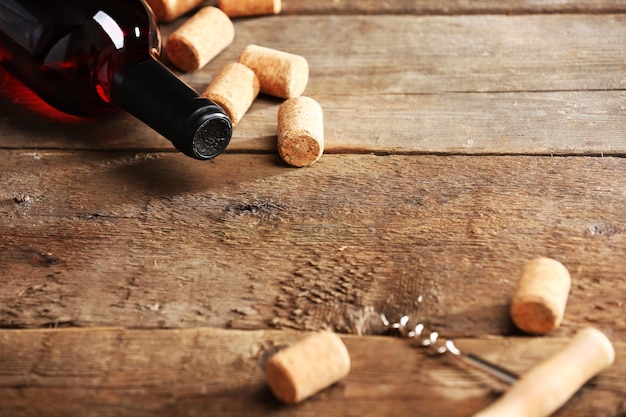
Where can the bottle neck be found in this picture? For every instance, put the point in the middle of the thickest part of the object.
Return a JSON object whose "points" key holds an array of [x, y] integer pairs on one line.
{"points": [[152, 93]]}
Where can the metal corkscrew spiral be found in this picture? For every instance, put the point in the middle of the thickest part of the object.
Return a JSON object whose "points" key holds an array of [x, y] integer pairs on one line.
{"points": [[431, 339], [418, 334]]}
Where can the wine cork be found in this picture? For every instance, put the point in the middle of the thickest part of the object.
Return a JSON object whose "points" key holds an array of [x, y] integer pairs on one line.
{"points": [[280, 73], [539, 302], [234, 89], [168, 10], [241, 8], [300, 131], [200, 39], [307, 367], [549, 385]]}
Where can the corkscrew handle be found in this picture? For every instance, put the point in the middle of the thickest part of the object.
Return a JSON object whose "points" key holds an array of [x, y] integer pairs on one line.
{"points": [[546, 387]]}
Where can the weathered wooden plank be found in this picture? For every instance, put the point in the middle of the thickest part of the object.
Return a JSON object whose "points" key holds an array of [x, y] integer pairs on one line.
{"points": [[550, 123], [158, 240], [451, 6], [202, 371], [462, 84], [366, 55], [557, 123]]}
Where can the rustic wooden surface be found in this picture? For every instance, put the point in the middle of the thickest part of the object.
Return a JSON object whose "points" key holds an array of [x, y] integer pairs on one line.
{"points": [[479, 84], [463, 139], [202, 371]]}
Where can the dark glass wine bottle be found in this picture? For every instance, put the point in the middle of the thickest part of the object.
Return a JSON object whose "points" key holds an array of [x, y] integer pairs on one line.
{"points": [[86, 57]]}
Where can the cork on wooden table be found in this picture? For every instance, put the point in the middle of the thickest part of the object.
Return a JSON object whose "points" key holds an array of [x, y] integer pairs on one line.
{"points": [[234, 89], [300, 131], [168, 10], [241, 8], [305, 368], [200, 39], [539, 302], [281, 74]]}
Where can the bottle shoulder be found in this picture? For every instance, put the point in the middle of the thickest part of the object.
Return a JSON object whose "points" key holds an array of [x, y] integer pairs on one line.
{"points": [[76, 48], [37, 25]]}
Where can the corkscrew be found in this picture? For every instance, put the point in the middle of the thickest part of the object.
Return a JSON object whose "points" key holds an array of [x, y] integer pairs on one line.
{"points": [[431, 339]]}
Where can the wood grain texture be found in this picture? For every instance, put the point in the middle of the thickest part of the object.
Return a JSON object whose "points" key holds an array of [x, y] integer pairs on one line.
{"points": [[243, 241], [450, 7], [455, 84], [198, 372], [441, 118]]}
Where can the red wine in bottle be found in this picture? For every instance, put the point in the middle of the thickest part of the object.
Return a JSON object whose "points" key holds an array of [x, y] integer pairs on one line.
{"points": [[86, 57]]}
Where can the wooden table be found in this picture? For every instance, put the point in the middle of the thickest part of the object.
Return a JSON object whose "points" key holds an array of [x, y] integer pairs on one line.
{"points": [[462, 140]]}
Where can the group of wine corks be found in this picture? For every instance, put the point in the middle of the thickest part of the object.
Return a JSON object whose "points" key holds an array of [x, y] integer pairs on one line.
{"points": [[259, 69]]}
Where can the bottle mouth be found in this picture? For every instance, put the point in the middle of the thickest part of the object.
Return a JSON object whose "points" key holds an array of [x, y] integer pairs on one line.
{"points": [[211, 137], [195, 125]]}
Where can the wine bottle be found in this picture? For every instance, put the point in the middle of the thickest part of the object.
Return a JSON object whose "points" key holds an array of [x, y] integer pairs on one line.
{"points": [[88, 57]]}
